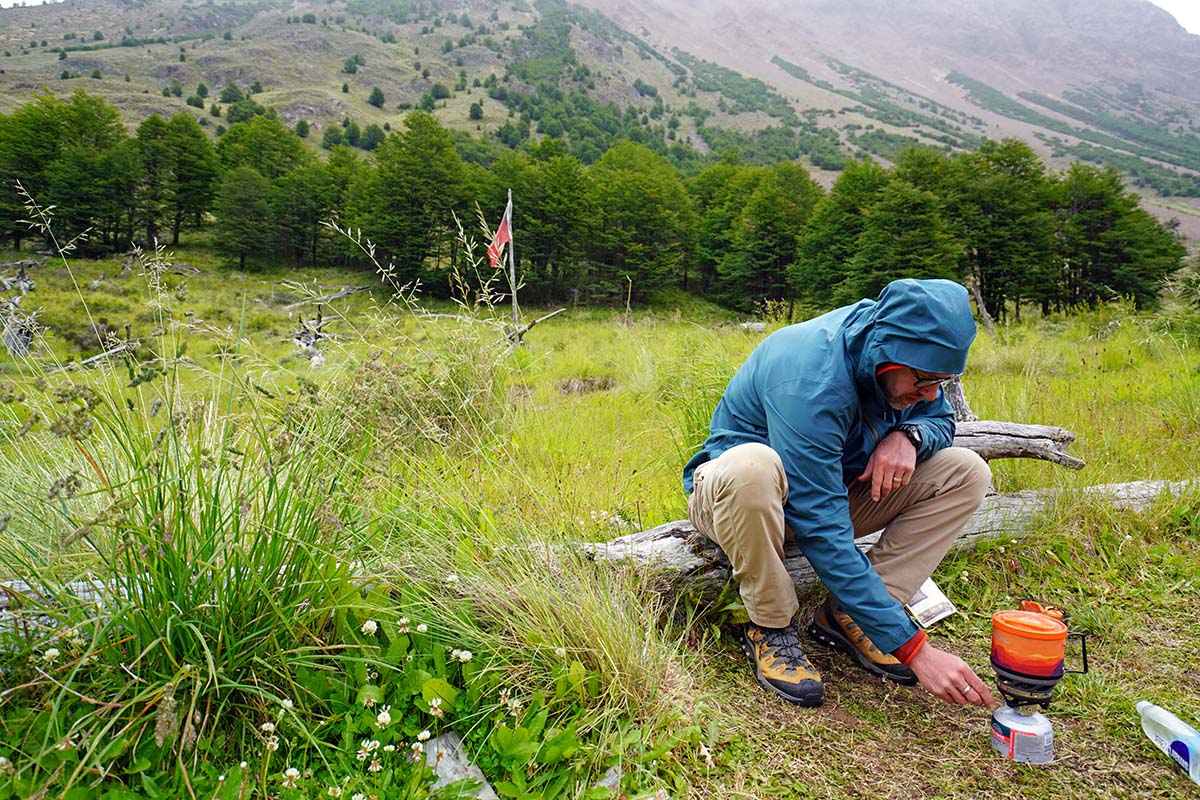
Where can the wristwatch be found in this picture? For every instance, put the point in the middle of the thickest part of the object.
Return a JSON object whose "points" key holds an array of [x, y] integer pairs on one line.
{"points": [[912, 432]]}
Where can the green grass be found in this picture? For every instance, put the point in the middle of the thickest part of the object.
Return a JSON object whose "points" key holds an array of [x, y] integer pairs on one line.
{"points": [[258, 510]]}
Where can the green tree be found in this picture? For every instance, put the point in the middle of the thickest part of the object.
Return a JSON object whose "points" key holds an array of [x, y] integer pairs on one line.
{"points": [[77, 169], [766, 234], [300, 201], [263, 143], [243, 215], [999, 206], [372, 137], [192, 178], [646, 224], [332, 137], [404, 205], [475, 112], [1106, 246], [903, 236], [829, 241], [376, 98], [302, 129]]}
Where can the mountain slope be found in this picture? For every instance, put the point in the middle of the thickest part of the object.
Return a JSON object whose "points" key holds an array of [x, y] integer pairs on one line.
{"points": [[1116, 81]]}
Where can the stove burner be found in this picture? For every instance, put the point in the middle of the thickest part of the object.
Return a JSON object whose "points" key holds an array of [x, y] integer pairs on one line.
{"points": [[1023, 690]]}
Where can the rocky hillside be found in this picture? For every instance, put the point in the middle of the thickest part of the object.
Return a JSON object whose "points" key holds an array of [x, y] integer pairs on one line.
{"points": [[1114, 81]]}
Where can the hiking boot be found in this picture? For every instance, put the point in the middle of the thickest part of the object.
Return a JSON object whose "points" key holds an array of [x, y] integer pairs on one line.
{"points": [[834, 627], [781, 666]]}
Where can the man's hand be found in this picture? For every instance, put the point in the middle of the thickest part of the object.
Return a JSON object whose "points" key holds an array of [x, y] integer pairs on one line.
{"points": [[947, 676], [890, 466]]}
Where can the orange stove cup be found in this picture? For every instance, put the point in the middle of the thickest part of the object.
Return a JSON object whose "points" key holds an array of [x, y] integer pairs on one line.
{"points": [[1031, 643]]}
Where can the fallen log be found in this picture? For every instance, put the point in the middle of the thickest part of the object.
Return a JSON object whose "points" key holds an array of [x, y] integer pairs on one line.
{"points": [[684, 561], [992, 439]]}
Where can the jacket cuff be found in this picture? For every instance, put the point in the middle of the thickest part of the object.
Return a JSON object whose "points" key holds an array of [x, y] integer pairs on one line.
{"points": [[909, 649]]}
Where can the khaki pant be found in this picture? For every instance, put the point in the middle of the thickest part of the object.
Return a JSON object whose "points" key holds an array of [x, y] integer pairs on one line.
{"points": [[738, 501]]}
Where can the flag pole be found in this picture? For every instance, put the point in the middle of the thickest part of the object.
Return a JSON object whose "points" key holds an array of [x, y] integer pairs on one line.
{"points": [[512, 277]]}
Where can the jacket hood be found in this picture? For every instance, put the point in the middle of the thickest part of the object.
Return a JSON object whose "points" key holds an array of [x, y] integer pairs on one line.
{"points": [[926, 324]]}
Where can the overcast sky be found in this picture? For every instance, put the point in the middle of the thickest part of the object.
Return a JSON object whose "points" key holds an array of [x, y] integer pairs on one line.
{"points": [[1186, 11]]}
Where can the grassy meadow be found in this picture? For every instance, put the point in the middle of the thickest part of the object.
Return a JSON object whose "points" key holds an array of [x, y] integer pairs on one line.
{"points": [[302, 570]]}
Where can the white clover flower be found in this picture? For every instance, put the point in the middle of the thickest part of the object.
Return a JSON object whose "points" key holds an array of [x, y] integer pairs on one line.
{"points": [[220, 779], [560, 652], [51, 655], [403, 623], [422, 628], [291, 778], [452, 580], [369, 701], [6, 767], [243, 765], [384, 718], [418, 752], [334, 791], [464, 656], [272, 743], [375, 766], [358, 796], [423, 736], [267, 727], [389, 748], [287, 704], [370, 627]]}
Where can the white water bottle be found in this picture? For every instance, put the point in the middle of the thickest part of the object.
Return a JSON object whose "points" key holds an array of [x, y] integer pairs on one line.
{"points": [[1173, 736]]}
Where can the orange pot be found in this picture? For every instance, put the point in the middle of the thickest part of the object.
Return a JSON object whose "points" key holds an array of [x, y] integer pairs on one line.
{"points": [[1029, 643]]}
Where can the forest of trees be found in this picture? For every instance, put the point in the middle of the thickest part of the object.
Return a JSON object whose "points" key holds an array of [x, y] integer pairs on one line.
{"points": [[995, 217]]}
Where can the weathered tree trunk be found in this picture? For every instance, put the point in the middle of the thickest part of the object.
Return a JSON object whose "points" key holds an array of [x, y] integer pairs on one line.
{"points": [[687, 562]]}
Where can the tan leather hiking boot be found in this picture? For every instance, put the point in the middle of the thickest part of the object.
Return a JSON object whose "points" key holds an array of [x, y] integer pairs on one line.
{"points": [[781, 666], [834, 627]]}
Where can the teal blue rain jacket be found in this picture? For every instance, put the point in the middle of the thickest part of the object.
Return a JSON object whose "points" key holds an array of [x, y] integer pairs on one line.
{"points": [[809, 392]]}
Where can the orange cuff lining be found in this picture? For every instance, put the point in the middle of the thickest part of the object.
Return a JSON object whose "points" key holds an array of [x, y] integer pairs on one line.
{"points": [[909, 649]]}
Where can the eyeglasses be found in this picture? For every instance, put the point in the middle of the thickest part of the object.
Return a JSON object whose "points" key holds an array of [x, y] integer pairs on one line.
{"points": [[929, 380]]}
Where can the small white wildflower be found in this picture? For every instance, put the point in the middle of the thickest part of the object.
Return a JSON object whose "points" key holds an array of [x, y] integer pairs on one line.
{"points": [[272, 743], [370, 627], [267, 727], [408, 658], [334, 791], [389, 748], [435, 707], [452, 580], [422, 628], [358, 796], [384, 718], [243, 764], [287, 704], [464, 656], [51, 655], [220, 779], [423, 736], [418, 752], [560, 652], [514, 706], [375, 765], [291, 778], [403, 623], [369, 701], [504, 693]]}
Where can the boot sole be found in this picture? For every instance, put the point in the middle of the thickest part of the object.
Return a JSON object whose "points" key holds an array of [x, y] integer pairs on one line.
{"points": [[838, 641], [817, 698]]}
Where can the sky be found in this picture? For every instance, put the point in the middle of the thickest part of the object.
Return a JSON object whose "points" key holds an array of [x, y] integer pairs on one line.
{"points": [[1187, 12]]}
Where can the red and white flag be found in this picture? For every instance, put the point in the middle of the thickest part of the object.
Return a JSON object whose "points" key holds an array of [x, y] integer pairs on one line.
{"points": [[503, 235]]}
